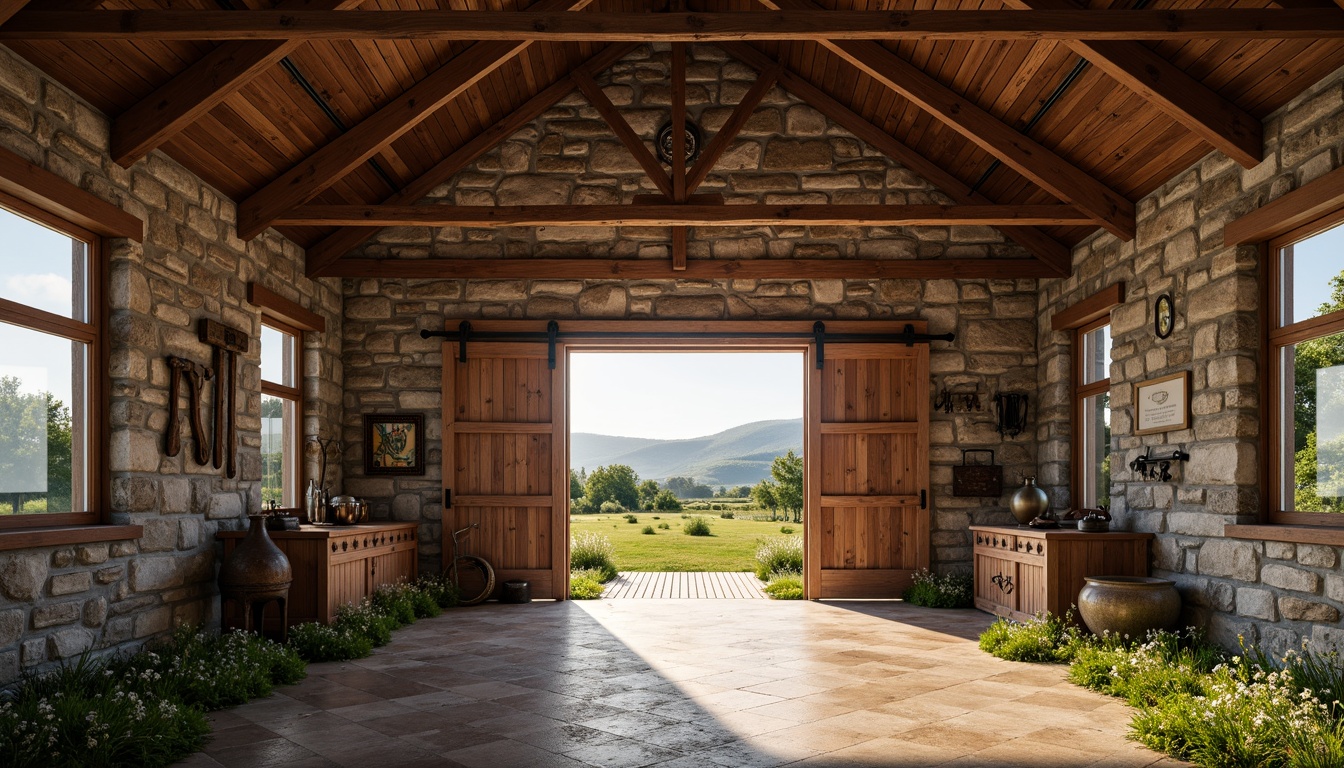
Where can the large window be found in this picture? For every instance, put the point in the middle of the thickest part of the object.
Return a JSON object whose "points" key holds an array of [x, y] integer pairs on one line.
{"points": [[1089, 322], [1092, 416], [280, 417], [50, 402], [1306, 340]]}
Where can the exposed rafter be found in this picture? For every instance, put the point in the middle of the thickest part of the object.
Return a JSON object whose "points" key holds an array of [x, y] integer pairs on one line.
{"points": [[10, 7], [1021, 153], [1038, 243], [684, 215], [696, 269], [809, 24], [627, 136], [201, 87], [678, 150], [1218, 121], [336, 159], [340, 242]]}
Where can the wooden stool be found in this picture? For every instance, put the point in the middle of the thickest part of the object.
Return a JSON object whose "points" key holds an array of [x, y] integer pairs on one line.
{"points": [[253, 602]]}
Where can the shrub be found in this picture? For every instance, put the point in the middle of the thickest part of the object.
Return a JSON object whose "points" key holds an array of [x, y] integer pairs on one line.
{"points": [[582, 506], [612, 508], [666, 501], [317, 642], [665, 526], [648, 530], [396, 602], [726, 515], [631, 519], [696, 526], [593, 551], [778, 554], [440, 589], [1046, 638], [586, 584], [785, 586], [931, 590], [364, 620], [786, 529]]}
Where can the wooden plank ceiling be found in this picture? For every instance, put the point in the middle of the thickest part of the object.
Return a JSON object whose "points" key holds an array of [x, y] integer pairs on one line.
{"points": [[1028, 115]]}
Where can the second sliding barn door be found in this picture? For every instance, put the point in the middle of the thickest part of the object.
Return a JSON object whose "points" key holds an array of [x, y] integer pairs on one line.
{"points": [[867, 470], [503, 438]]}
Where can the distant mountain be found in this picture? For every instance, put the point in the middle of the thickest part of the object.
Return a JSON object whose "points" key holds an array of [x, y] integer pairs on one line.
{"points": [[737, 456]]}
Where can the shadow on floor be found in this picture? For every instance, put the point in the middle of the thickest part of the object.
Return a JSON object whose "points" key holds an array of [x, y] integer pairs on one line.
{"points": [[676, 684], [965, 623]]}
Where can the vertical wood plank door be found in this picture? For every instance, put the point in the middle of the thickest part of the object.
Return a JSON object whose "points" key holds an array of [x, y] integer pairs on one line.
{"points": [[867, 462], [503, 438]]}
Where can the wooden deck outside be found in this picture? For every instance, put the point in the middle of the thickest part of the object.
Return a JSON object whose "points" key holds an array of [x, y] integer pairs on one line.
{"points": [[632, 585]]}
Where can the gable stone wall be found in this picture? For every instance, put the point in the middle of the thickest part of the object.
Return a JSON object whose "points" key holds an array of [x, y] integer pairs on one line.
{"points": [[1270, 592], [56, 602], [788, 153]]}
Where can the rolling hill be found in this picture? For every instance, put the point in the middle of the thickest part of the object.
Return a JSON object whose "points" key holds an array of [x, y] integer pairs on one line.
{"points": [[737, 456]]}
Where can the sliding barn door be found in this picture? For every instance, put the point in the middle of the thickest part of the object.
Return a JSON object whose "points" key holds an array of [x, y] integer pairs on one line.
{"points": [[867, 468], [503, 439]]}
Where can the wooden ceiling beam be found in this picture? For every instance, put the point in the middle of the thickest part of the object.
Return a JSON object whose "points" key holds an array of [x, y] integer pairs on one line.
{"points": [[733, 125], [342, 241], [10, 7], [678, 149], [339, 157], [1055, 254], [624, 133], [685, 215], [1230, 129], [696, 269], [802, 24], [1023, 154], [199, 88]]}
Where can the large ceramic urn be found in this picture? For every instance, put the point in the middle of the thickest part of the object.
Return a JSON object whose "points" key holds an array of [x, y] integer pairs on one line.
{"points": [[1129, 606], [256, 573]]}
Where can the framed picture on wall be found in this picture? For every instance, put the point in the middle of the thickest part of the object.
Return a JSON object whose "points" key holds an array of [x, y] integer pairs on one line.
{"points": [[394, 444], [1162, 404]]}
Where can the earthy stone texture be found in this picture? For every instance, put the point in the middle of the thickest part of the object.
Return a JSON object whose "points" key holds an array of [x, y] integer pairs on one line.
{"points": [[104, 597], [1179, 250], [993, 319]]}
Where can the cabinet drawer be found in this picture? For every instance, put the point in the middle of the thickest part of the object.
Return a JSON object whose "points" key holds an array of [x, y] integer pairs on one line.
{"points": [[1033, 547], [1005, 542]]}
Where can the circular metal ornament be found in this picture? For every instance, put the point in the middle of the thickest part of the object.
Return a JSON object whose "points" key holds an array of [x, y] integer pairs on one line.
{"points": [[1164, 316], [663, 143]]}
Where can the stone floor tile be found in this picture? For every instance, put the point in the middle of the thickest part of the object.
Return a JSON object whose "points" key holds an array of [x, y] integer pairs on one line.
{"points": [[622, 753]]}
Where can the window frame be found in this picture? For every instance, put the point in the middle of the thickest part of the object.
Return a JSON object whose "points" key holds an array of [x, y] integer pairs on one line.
{"points": [[97, 477], [293, 465], [1081, 392], [1275, 339], [1079, 319]]}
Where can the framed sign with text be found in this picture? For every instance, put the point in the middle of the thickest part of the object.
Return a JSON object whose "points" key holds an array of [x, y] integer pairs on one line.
{"points": [[1162, 404]]}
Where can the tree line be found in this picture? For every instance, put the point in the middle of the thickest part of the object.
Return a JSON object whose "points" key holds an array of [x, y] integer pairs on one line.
{"points": [[617, 487]]}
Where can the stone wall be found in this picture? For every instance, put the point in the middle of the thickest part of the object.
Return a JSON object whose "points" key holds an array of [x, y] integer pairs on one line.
{"points": [[570, 156], [56, 602], [1270, 592]]}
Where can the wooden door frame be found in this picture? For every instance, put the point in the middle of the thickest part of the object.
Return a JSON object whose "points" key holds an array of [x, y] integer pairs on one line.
{"points": [[618, 343]]}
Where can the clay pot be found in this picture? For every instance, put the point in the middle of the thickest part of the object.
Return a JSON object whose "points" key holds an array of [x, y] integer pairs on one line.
{"points": [[1028, 502], [256, 565], [1129, 605]]}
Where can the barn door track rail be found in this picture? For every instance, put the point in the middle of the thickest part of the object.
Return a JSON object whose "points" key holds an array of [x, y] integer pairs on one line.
{"points": [[554, 334]]}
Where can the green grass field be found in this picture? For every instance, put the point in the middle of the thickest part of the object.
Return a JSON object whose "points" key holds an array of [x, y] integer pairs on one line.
{"points": [[731, 547]]}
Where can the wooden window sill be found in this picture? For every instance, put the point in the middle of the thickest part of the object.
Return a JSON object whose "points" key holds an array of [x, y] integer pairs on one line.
{"points": [[25, 538], [1297, 534]]}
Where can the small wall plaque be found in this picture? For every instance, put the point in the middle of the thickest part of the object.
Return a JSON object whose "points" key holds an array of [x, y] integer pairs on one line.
{"points": [[1162, 404]]}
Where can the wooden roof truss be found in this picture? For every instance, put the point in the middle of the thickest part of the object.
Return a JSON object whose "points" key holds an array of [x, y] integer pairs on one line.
{"points": [[1067, 194]]}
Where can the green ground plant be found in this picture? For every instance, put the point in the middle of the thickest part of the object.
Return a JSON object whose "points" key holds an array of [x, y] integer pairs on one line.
{"points": [[592, 551], [697, 526], [778, 555], [648, 530], [586, 584], [785, 586], [932, 590], [1194, 700]]}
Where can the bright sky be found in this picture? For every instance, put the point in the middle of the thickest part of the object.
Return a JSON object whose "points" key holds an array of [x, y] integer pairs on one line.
{"points": [[672, 395], [36, 269], [1315, 261]]}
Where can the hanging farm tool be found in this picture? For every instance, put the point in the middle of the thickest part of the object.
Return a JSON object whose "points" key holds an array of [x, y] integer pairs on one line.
{"points": [[196, 375], [228, 343]]}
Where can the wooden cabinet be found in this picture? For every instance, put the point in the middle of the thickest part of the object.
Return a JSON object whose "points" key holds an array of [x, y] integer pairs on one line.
{"points": [[1020, 572], [334, 566]]}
